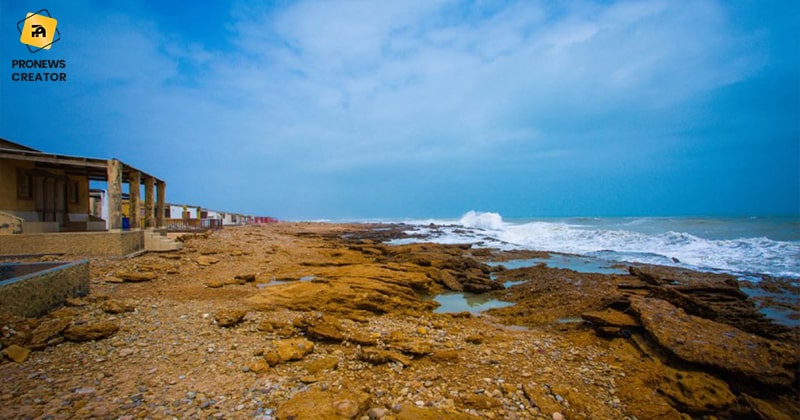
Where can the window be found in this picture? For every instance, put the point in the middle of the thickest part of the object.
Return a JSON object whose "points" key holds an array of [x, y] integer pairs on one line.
{"points": [[24, 185]]}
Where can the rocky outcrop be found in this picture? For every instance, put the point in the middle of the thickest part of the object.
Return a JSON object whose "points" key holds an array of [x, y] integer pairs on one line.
{"points": [[708, 295], [718, 346]]}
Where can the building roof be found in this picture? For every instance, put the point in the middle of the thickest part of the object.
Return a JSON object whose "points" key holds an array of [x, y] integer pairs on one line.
{"points": [[93, 168]]}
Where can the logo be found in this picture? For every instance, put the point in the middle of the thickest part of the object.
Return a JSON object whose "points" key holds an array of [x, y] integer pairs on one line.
{"points": [[38, 31]]}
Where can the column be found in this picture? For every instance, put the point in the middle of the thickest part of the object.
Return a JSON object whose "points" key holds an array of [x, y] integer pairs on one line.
{"points": [[162, 193], [149, 189], [114, 171], [134, 190]]}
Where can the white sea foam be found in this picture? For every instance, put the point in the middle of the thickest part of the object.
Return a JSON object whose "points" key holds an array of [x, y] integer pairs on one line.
{"points": [[637, 240]]}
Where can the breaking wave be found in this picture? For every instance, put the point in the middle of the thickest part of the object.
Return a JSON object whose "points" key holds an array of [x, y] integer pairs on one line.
{"points": [[645, 240]]}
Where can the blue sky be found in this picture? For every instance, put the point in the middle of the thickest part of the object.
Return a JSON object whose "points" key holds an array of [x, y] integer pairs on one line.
{"points": [[377, 109]]}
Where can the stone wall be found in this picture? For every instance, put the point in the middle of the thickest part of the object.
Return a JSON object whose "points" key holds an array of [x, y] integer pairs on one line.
{"points": [[76, 243], [40, 292]]}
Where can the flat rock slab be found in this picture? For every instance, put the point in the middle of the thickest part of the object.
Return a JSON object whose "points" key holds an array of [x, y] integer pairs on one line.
{"points": [[610, 318], [135, 277], [316, 403], [721, 346], [91, 331]]}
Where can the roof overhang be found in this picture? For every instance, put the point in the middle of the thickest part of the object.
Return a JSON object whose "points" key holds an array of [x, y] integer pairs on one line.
{"points": [[92, 168]]}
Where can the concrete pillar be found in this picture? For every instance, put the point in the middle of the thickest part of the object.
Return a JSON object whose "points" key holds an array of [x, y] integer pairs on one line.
{"points": [[149, 216], [114, 171], [134, 190], [162, 193]]}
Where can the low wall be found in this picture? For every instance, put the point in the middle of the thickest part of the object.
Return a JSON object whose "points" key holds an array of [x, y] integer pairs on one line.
{"points": [[10, 224], [44, 289], [114, 243]]}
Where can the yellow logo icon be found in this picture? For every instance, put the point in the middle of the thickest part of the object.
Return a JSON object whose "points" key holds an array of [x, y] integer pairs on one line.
{"points": [[38, 31]]}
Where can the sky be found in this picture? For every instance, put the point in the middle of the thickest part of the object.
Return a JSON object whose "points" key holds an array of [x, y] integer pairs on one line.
{"points": [[309, 110]]}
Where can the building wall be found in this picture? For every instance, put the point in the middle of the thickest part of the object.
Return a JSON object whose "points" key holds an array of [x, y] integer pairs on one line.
{"points": [[74, 243], [8, 186], [77, 188]]}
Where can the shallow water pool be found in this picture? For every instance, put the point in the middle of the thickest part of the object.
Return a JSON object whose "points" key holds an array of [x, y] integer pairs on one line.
{"points": [[453, 302], [571, 262]]}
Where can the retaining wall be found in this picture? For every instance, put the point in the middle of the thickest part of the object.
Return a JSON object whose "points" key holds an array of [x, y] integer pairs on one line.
{"points": [[114, 243], [45, 286]]}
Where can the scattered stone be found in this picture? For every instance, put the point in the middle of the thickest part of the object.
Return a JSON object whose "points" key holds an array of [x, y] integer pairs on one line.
{"points": [[321, 364], [16, 353], [288, 350], [326, 330], [474, 339], [258, 366], [95, 330], [205, 260], [445, 356], [113, 306], [412, 412], [379, 357], [48, 329], [229, 317], [135, 277], [247, 278]]}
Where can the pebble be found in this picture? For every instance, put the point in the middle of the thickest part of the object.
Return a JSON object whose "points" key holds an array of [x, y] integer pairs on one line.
{"points": [[558, 416]]}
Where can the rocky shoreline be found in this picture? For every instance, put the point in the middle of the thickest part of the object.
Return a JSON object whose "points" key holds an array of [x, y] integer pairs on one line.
{"points": [[311, 320]]}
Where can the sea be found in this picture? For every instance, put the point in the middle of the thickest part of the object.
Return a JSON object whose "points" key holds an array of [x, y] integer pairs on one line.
{"points": [[747, 247]]}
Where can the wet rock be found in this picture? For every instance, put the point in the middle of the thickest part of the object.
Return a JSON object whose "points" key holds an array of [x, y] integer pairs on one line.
{"points": [[16, 353], [229, 317], [93, 330], [448, 280], [720, 346], [316, 403]]}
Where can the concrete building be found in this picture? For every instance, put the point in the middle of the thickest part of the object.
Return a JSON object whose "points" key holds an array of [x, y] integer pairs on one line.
{"points": [[49, 193]]}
